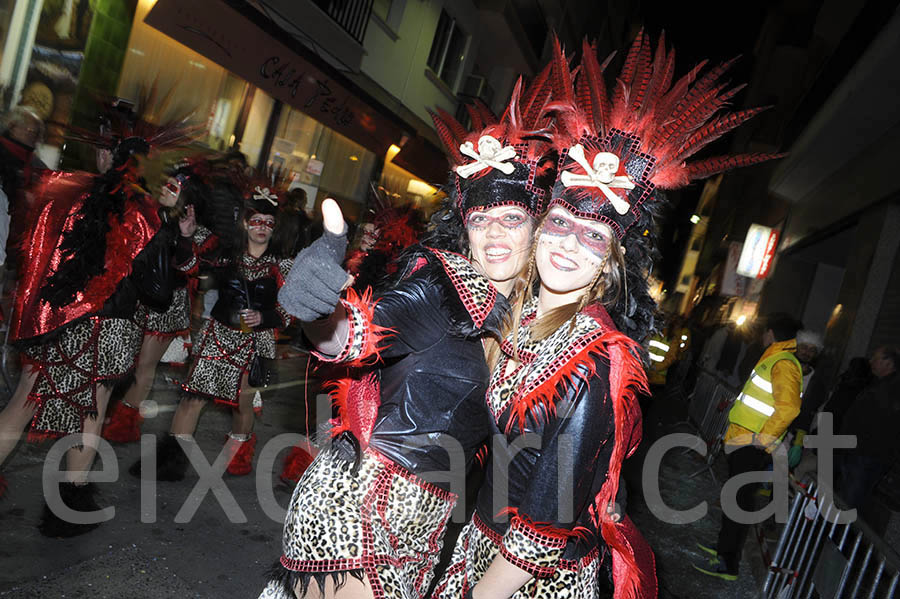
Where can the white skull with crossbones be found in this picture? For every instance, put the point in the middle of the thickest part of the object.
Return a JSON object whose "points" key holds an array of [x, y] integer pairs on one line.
{"points": [[606, 164]]}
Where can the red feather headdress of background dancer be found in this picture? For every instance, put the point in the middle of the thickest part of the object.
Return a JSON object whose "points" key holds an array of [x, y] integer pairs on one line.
{"points": [[618, 146], [501, 161], [76, 257]]}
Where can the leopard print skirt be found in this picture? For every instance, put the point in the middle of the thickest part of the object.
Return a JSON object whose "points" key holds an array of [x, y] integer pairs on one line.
{"points": [[478, 545], [71, 365], [221, 357], [382, 521], [171, 323]]}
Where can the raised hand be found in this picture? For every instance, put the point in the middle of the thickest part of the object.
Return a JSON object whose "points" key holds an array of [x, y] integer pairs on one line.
{"points": [[314, 284]]}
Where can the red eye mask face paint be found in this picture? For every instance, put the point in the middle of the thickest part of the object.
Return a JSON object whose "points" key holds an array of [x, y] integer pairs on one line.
{"points": [[259, 222], [509, 220], [560, 224]]}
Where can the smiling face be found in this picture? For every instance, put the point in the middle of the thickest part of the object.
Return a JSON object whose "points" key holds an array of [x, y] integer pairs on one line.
{"points": [[570, 251], [260, 227], [499, 239]]}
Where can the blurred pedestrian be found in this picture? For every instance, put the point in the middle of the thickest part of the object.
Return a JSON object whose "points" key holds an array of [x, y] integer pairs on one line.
{"points": [[19, 168], [873, 418], [228, 358], [94, 251]]}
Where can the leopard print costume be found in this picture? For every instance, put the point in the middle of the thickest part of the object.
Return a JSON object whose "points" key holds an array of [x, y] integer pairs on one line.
{"points": [[384, 521], [223, 354], [478, 547], [71, 364], [175, 321]]}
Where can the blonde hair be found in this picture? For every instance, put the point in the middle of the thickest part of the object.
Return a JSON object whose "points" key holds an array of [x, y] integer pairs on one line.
{"points": [[604, 289]]}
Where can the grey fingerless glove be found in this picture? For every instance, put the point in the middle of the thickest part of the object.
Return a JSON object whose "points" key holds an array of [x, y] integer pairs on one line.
{"points": [[313, 286]]}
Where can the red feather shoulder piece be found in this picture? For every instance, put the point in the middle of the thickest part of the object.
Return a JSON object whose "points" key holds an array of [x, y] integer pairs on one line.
{"points": [[62, 195]]}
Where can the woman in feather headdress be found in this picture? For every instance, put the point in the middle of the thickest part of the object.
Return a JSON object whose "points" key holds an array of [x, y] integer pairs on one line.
{"points": [[365, 519], [94, 250], [228, 356], [565, 379], [189, 244]]}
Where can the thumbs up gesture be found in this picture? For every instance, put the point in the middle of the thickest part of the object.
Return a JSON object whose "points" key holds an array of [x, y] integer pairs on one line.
{"points": [[313, 286]]}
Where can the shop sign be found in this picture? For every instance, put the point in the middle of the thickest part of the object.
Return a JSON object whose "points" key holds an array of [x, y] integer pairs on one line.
{"points": [[314, 167], [225, 36], [758, 252], [733, 283]]}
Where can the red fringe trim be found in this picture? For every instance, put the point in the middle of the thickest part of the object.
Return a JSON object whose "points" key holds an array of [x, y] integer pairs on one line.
{"points": [[371, 350], [35, 436], [555, 534]]}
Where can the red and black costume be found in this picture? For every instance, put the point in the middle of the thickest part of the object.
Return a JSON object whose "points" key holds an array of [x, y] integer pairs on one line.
{"points": [[369, 504], [94, 250], [225, 350], [573, 392], [579, 384]]}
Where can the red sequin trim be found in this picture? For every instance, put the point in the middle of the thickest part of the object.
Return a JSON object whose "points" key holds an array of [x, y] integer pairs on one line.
{"points": [[376, 500], [478, 308]]}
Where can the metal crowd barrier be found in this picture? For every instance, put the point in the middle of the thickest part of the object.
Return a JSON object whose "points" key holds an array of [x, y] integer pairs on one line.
{"points": [[818, 557], [708, 408]]}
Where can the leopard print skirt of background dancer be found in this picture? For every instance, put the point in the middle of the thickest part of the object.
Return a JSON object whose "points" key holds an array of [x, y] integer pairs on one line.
{"points": [[69, 366], [382, 521], [221, 357], [171, 323], [477, 547]]}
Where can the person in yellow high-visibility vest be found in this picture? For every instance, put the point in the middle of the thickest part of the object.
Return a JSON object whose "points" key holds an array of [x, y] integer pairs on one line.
{"points": [[662, 354], [759, 418]]}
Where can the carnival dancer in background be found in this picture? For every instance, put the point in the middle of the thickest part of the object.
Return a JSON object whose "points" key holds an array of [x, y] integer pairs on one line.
{"points": [[228, 355], [390, 230], [569, 368], [363, 522], [189, 242], [93, 251]]}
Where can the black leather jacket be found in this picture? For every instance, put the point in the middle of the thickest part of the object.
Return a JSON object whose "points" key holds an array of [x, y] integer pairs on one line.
{"points": [[152, 279], [432, 419], [562, 467], [258, 291]]}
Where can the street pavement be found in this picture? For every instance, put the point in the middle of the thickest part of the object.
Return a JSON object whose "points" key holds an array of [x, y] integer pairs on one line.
{"points": [[211, 554], [203, 550]]}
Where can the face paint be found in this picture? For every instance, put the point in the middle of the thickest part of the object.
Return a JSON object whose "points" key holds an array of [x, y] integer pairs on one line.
{"points": [[512, 219], [560, 224], [259, 222]]}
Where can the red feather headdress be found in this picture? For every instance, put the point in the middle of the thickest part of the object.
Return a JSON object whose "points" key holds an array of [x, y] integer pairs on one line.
{"points": [[616, 147], [500, 162]]}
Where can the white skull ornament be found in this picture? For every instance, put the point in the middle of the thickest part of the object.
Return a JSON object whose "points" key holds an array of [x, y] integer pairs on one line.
{"points": [[606, 164]]}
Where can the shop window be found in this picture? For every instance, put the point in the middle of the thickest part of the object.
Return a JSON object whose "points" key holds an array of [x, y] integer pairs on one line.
{"points": [[255, 131], [448, 50], [322, 161], [196, 84], [403, 187]]}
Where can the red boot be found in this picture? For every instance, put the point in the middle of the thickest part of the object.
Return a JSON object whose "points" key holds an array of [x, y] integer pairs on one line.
{"points": [[241, 462], [295, 464], [122, 424]]}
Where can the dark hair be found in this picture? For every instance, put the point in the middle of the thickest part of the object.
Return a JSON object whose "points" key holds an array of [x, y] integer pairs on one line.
{"points": [[783, 326]]}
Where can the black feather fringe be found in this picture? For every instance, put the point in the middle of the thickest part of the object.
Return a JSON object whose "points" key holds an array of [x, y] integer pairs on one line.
{"points": [[290, 580], [83, 247]]}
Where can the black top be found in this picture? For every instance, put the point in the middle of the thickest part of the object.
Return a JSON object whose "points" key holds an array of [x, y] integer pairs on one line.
{"points": [[432, 419]]}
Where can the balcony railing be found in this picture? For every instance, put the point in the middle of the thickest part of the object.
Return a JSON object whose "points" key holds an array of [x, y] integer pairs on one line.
{"points": [[351, 15]]}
